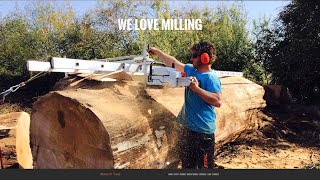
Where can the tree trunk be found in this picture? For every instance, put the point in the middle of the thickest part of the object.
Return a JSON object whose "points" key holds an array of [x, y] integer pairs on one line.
{"points": [[92, 124]]}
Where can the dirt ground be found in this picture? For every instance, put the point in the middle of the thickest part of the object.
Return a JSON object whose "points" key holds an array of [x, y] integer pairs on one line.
{"points": [[267, 153], [8, 149], [8, 137], [289, 139]]}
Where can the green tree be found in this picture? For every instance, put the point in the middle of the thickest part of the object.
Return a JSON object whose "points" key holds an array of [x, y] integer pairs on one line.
{"points": [[225, 27], [294, 60], [264, 39]]}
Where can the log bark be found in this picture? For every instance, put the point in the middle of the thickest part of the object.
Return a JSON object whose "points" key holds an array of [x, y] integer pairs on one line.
{"points": [[93, 124]]}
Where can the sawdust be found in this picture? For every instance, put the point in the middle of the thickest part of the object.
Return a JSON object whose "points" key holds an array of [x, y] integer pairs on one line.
{"points": [[283, 156]]}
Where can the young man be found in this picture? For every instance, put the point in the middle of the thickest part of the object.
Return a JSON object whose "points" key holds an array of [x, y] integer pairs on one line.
{"points": [[201, 97]]}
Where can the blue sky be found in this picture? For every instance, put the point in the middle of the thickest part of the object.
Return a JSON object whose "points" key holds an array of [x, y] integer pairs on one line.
{"points": [[255, 9]]}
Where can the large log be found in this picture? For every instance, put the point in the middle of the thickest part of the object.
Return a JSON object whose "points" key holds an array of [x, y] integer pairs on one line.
{"points": [[93, 124], [102, 125], [241, 109]]}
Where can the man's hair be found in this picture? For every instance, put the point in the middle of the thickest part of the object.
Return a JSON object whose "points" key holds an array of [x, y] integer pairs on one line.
{"points": [[205, 47]]}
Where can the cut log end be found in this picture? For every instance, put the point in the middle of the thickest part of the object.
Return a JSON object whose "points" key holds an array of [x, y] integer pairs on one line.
{"points": [[65, 134]]}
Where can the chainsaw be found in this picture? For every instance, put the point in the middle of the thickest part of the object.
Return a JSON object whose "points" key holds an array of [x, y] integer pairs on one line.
{"points": [[167, 76]]}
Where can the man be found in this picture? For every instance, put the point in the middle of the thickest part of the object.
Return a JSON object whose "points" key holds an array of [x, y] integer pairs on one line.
{"points": [[201, 97]]}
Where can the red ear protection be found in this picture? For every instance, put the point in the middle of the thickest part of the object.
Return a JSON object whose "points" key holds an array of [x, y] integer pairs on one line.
{"points": [[205, 58]]}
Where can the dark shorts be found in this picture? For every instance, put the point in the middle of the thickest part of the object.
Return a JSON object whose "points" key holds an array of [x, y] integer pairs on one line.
{"points": [[196, 150]]}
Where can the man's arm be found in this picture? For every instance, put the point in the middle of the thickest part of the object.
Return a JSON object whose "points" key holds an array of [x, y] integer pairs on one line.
{"points": [[167, 59], [214, 99]]}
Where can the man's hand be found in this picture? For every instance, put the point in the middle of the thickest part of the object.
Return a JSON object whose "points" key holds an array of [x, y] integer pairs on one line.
{"points": [[154, 51], [214, 99], [194, 83], [166, 58]]}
